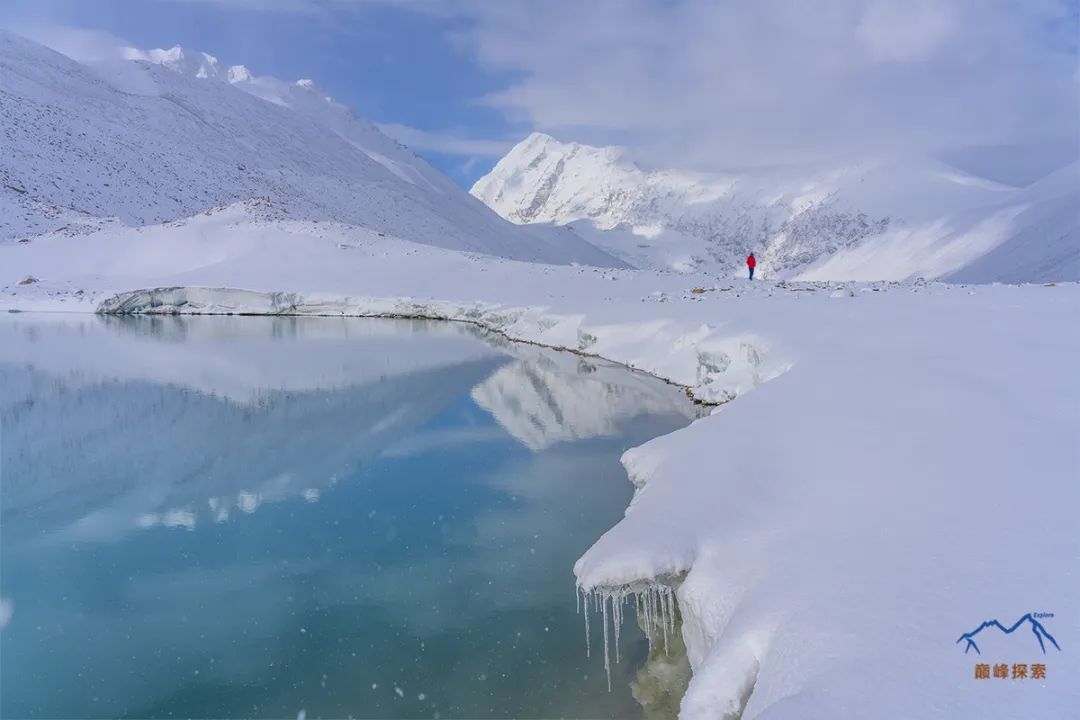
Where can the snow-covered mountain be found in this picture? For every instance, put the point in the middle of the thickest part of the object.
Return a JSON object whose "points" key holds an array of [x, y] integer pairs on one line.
{"points": [[865, 219], [163, 135]]}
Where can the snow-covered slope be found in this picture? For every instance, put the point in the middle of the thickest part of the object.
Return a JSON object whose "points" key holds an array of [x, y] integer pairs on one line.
{"points": [[167, 134], [865, 219], [1046, 242]]}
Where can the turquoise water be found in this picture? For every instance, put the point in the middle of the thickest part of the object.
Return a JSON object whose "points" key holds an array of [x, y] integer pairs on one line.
{"points": [[254, 517]]}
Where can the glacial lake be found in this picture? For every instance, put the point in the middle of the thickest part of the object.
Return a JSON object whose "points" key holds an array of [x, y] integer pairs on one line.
{"points": [[263, 517]]}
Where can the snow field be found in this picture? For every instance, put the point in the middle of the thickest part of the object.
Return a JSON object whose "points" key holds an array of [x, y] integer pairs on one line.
{"points": [[835, 528]]}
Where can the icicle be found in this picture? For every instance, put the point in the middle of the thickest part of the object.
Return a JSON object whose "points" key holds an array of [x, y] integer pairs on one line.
{"points": [[616, 608], [654, 605], [588, 636], [663, 615], [577, 598], [607, 661], [671, 612], [646, 602], [645, 610]]}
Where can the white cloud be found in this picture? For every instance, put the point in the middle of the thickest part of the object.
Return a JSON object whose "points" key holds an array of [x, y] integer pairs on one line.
{"points": [[711, 83], [714, 84], [450, 143], [905, 32]]}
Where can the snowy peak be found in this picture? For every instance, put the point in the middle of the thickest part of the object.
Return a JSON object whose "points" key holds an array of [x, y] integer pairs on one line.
{"points": [[239, 74], [193, 64], [204, 66], [540, 147], [544, 180]]}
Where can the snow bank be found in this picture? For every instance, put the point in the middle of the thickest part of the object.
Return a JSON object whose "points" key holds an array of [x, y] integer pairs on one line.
{"points": [[913, 475], [899, 467]]}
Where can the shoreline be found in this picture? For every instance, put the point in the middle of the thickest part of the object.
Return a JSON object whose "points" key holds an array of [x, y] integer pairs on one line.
{"points": [[297, 310], [689, 392]]}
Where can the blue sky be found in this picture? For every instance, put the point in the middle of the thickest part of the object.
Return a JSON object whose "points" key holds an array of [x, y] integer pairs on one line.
{"points": [[708, 84]]}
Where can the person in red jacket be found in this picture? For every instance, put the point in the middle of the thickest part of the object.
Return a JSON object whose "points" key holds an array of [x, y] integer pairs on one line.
{"points": [[751, 262]]}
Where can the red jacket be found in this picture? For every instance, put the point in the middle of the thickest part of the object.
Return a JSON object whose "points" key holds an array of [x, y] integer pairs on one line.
{"points": [[751, 262]]}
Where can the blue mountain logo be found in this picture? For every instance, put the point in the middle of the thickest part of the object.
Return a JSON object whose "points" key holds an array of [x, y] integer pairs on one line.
{"points": [[1040, 632]]}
